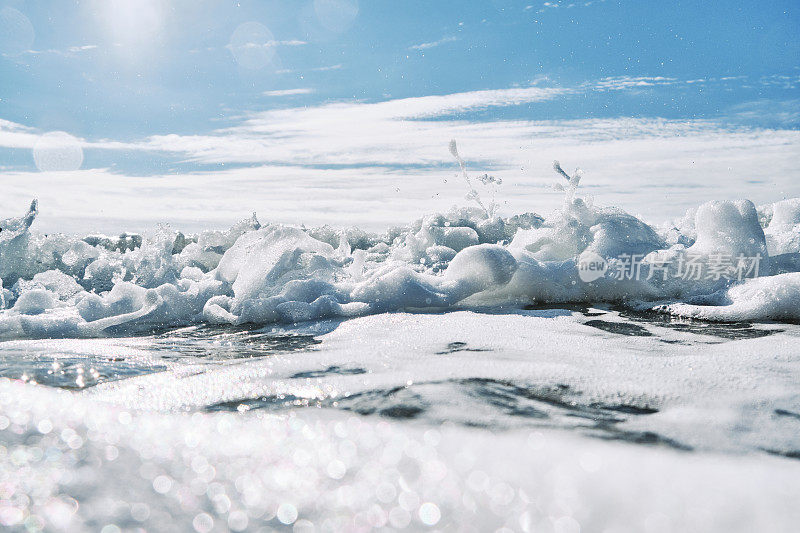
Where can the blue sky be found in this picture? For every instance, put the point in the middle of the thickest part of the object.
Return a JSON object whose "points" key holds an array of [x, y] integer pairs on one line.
{"points": [[174, 74], [151, 87]]}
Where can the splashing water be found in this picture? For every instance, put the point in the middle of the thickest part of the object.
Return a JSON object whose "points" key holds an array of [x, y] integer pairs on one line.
{"points": [[233, 394], [56, 285]]}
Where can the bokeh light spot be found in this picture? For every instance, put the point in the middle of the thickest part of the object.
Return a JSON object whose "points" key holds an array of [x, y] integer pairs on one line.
{"points": [[203, 523], [16, 32], [252, 45], [287, 513], [57, 151], [429, 514], [336, 15]]}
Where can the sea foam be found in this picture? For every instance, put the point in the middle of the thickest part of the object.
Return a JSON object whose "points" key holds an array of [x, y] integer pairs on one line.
{"points": [[59, 285]]}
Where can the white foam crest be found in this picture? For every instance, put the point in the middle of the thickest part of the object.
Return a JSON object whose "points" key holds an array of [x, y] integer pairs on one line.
{"points": [[56, 285], [766, 298], [783, 231]]}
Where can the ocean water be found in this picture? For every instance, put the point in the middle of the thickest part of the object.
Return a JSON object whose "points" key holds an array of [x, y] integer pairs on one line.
{"points": [[465, 371], [531, 419]]}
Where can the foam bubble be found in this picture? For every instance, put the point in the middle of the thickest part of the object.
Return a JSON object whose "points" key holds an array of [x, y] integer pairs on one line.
{"points": [[729, 227], [765, 298], [783, 232], [35, 302], [57, 285]]}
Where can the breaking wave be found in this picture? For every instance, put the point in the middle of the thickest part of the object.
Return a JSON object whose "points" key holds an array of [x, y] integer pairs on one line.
{"points": [[59, 285]]}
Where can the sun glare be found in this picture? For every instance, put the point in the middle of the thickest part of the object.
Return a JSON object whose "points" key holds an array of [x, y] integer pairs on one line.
{"points": [[132, 23]]}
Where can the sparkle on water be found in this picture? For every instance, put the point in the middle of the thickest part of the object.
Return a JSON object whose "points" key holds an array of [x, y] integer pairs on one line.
{"points": [[415, 455]]}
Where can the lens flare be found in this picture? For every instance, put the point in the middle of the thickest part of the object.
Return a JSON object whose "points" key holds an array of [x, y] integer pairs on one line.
{"points": [[16, 32], [57, 151], [252, 45], [336, 15], [133, 24]]}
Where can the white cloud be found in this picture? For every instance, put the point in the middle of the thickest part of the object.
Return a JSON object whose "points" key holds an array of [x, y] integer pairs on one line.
{"points": [[267, 44], [776, 113], [627, 163], [393, 133], [373, 164], [71, 51], [632, 82], [290, 92], [568, 5], [433, 44], [781, 81], [325, 68], [379, 133], [13, 135], [291, 42], [407, 132], [76, 49]]}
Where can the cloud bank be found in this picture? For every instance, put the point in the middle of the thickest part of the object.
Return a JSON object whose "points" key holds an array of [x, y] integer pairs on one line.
{"points": [[289, 92], [373, 164], [433, 44]]}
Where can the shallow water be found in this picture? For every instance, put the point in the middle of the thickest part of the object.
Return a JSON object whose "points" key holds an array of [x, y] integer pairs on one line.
{"points": [[458, 373], [501, 402], [538, 419]]}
